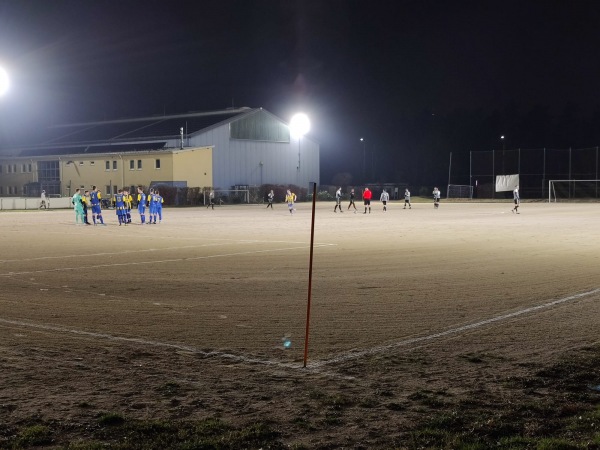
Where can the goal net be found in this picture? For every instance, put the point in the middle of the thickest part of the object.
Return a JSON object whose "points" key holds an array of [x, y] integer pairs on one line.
{"points": [[566, 190], [228, 196], [459, 191]]}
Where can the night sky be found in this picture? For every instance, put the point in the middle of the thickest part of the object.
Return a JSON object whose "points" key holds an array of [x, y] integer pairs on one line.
{"points": [[417, 79]]}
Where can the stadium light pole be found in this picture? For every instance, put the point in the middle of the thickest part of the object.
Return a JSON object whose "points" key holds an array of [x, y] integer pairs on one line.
{"points": [[299, 126]]}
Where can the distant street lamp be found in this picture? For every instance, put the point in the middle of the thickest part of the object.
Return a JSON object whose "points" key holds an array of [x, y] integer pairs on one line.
{"points": [[299, 126], [503, 148], [364, 160], [3, 81]]}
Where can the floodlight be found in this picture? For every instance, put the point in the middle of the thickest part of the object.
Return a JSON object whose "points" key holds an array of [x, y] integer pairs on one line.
{"points": [[299, 125], [3, 81]]}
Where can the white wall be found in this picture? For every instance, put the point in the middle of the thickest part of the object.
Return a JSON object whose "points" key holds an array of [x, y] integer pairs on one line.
{"points": [[7, 203]]}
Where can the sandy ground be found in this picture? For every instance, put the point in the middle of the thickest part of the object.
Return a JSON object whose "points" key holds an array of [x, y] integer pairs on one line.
{"points": [[103, 318]]}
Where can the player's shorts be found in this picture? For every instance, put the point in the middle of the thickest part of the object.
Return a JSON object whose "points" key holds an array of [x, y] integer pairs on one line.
{"points": [[338, 201], [291, 205], [141, 209], [516, 201], [406, 200], [367, 202], [96, 209], [384, 202]]}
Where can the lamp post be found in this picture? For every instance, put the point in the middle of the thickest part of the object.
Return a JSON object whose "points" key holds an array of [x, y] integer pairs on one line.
{"points": [[299, 126], [364, 160], [503, 148]]}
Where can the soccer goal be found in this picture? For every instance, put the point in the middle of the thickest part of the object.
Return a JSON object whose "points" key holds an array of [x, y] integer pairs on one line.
{"points": [[228, 196], [459, 191], [565, 190]]}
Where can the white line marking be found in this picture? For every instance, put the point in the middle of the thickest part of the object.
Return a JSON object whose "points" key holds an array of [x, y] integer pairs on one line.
{"points": [[383, 348], [136, 263], [146, 342], [126, 252]]}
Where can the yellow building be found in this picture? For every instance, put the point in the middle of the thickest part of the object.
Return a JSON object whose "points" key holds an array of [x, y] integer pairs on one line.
{"points": [[25, 176]]}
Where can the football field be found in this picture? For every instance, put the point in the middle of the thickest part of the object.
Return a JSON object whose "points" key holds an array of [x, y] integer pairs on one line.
{"points": [[222, 295]]}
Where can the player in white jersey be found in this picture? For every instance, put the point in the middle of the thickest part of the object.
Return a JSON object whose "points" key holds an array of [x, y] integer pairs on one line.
{"points": [[338, 200], [517, 200], [407, 199], [436, 197], [385, 197]]}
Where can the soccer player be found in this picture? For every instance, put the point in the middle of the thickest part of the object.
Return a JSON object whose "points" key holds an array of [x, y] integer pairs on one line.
{"points": [[85, 201], [436, 197], [270, 197], [211, 200], [128, 202], [77, 206], [407, 199], [44, 201], [158, 201], [141, 199], [151, 206], [385, 197], [290, 198], [517, 200], [338, 200], [367, 195], [95, 198], [120, 207], [352, 195]]}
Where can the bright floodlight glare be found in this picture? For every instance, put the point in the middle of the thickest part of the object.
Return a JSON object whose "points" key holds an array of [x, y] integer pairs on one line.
{"points": [[3, 81], [299, 125]]}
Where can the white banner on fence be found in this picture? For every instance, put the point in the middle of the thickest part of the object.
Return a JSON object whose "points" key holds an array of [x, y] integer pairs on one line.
{"points": [[507, 182]]}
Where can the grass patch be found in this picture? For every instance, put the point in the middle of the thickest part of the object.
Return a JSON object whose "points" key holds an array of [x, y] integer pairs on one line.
{"points": [[34, 435], [110, 419]]}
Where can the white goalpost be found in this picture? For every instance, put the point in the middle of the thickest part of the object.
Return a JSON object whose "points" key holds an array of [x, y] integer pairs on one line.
{"points": [[573, 190], [459, 191]]}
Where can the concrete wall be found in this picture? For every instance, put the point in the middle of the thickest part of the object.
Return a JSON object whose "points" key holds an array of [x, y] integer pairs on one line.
{"points": [[9, 203]]}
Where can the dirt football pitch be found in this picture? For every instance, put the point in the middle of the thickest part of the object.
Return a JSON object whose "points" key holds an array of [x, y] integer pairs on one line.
{"points": [[204, 316]]}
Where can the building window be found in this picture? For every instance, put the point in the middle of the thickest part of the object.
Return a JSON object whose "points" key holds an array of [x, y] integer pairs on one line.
{"points": [[92, 163], [29, 168], [114, 165], [157, 164], [107, 190], [81, 163], [0, 168], [15, 171], [23, 168], [131, 164], [107, 165], [1, 190], [139, 164]]}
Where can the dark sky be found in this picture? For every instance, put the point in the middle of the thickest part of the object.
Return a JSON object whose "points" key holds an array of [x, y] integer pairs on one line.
{"points": [[379, 69]]}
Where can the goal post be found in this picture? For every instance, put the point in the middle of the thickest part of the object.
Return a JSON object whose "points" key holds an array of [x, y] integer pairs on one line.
{"points": [[573, 190], [228, 196], [459, 191]]}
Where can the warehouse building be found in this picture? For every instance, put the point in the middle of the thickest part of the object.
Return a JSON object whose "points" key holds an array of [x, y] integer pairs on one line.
{"points": [[219, 149]]}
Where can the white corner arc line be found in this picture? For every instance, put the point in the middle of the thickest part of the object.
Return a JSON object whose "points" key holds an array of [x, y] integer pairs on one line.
{"points": [[110, 337], [382, 348]]}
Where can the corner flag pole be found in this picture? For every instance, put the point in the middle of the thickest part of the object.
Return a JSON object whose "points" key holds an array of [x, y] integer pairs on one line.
{"points": [[310, 265]]}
